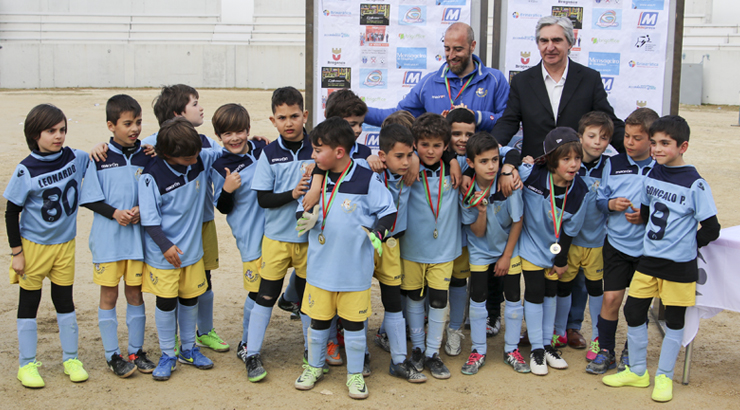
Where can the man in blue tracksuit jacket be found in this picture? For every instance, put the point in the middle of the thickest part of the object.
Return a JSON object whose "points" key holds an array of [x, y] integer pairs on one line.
{"points": [[481, 89]]}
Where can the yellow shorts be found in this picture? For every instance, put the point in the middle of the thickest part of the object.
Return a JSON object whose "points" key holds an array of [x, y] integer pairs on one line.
{"points": [[187, 282], [590, 259], [55, 261], [529, 266], [461, 265], [671, 293], [210, 245], [388, 266], [110, 273], [252, 275], [417, 275], [515, 266], [278, 256], [322, 304]]}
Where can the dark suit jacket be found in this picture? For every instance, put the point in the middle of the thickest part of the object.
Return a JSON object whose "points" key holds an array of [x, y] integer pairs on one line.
{"points": [[529, 104]]}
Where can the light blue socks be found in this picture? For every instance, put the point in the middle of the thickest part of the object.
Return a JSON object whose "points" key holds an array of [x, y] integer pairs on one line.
{"points": [[108, 324]]}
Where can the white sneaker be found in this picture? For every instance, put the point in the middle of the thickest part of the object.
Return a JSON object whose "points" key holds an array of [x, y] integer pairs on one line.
{"points": [[554, 359], [454, 338], [537, 362]]}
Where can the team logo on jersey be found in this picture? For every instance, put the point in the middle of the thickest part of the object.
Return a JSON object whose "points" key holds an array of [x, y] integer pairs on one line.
{"points": [[595, 186], [310, 300], [304, 168], [700, 185], [153, 278], [147, 181], [138, 172], [447, 184], [20, 173], [497, 208], [197, 185], [348, 206], [200, 285], [481, 92], [249, 275], [99, 269], [263, 265]]}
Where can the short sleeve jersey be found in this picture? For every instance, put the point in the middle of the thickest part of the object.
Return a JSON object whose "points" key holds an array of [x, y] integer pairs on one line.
{"points": [[48, 188], [115, 182], [279, 170], [166, 196], [593, 230], [400, 194], [538, 230], [247, 219]]}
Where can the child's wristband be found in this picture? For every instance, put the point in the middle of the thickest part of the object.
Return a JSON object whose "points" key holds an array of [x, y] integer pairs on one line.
{"points": [[16, 254]]}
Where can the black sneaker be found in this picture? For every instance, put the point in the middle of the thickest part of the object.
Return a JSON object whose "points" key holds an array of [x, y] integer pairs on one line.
{"points": [[407, 371], [366, 366], [287, 306], [142, 363], [604, 361], [255, 371], [241, 352], [417, 359], [120, 367], [436, 367], [624, 360]]}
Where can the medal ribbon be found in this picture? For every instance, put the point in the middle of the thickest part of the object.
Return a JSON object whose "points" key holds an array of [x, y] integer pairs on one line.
{"points": [[385, 179], [449, 91], [470, 194], [441, 191], [556, 221], [325, 208]]}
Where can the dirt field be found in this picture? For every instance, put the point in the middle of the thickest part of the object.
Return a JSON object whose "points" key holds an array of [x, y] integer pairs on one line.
{"points": [[713, 378]]}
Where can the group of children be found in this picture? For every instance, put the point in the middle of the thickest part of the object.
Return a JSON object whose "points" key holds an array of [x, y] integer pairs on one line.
{"points": [[337, 214]]}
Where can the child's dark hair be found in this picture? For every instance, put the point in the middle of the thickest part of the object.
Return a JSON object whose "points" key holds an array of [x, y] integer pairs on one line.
{"points": [[596, 119], [479, 143], [402, 117], [463, 115], [230, 118], [172, 100], [552, 160], [119, 104], [288, 96], [392, 134], [673, 126], [643, 117], [431, 126], [333, 132], [177, 138], [344, 103], [41, 117]]}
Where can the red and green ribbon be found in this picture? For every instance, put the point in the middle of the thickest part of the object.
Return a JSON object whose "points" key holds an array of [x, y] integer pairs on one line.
{"points": [[556, 221], [325, 208], [441, 190], [470, 194]]}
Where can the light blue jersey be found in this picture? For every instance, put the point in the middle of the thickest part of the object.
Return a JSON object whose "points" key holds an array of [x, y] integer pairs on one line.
{"points": [[622, 178], [48, 187], [538, 231], [166, 198], [593, 231], [115, 182], [400, 194], [279, 170], [247, 219]]}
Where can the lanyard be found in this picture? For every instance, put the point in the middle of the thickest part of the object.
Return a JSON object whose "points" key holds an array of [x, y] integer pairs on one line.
{"points": [[325, 208], [385, 179], [449, 91], [480, 198], [441, 191], [556, 221]]}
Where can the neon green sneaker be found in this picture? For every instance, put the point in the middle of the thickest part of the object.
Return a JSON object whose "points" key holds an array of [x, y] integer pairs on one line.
{"points": [[30, 377], [627, 378], [73, 368], [663, 390], [212, 341], [309, 377], [357, 386]]}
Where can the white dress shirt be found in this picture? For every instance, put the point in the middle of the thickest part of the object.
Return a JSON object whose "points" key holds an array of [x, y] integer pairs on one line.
{"points": [[555, 89]]}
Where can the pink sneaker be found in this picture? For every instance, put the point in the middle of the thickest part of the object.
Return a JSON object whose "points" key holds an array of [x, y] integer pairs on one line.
{"points": [[593, 350], [558, 340]]}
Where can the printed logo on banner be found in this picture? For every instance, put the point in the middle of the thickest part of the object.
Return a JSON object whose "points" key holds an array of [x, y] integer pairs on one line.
{"points": [[526, 16], [370, 139], [411, 78], [642, 64], [411, 57], [375, 79], [439, 57], [374, 57], [610, 3], [335, 13], [648, 4], [373, 100], [374, 36], [606, 19], [528, 1], [524, 57], [525, 38], [646, 87], [451, 15], [336, 54], [641, 103], [375, 14], [608, 83], [647, 43], [340, 35], [450, 2], [336, 77], [409, 37], [648, 19], [575, 14], [412, 15], [601, 41], [605, 63]]}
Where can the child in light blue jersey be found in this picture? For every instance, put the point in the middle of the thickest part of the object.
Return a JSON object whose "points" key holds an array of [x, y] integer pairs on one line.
{"points": [[620, 190], [173, 244], [111, 191], [352, 199], [675, 200], [232, 177], [492, 224], [553, 215], [44, 191]]}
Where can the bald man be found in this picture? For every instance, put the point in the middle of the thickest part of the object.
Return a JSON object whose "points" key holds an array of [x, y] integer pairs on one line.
{"points": [[462, 80]]}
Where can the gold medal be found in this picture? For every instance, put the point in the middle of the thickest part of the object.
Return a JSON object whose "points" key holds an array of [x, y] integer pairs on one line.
{"points": [[322, 239], [391, 242], [484, 202], [555, 248], [435, 234]]}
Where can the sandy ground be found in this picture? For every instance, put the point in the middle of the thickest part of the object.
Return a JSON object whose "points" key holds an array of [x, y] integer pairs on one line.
{"points": [[714, 371]]}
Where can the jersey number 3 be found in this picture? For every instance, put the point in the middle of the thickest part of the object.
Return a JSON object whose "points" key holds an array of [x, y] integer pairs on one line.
{"points": [[659, 218], [55, 199]]}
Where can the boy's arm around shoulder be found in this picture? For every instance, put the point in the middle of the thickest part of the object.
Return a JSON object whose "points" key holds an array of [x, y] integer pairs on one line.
{"points": [[706, 213]]}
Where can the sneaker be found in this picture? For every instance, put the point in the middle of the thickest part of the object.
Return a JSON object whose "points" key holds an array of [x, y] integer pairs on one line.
{"points": [[164, 369], [406, 370], [553, 358], [593, 350], [602, 362], [212, 341], [537, 362], [333, 357], [241, 352], [627, 378], [29, 376], [381, 340], [120, 367], [417, 359], [287, 306], [73, 368], [454, 338], [559, 341], [366, 371], [624, 360], [305, 362], [295, 316], [475, 362], [493, 329], [308, 378], [663, 389], [515, 360], [436, 367], [142, 362], [357, 386], [195, 358], [255, 371]]}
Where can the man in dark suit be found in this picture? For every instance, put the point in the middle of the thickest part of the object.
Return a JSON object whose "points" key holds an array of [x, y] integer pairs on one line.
{"points": [[555, 85]]}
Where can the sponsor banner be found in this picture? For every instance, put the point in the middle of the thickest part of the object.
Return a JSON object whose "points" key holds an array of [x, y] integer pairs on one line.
{"points": [[375, 14], [374, 79]]}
